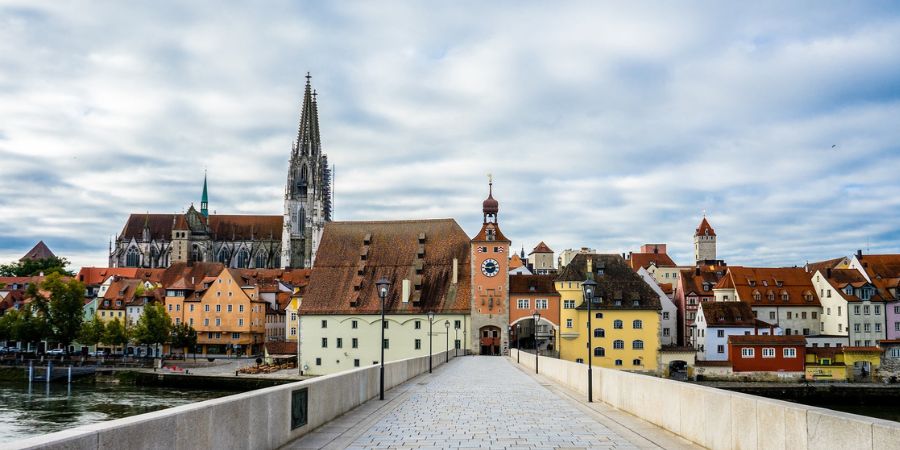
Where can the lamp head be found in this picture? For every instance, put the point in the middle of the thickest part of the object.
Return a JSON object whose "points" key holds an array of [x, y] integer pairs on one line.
{"points": [[446, 324], [383, 286], [590, 288]]}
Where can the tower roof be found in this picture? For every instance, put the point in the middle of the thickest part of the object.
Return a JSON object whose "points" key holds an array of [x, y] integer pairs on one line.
{"points": [[541, 248], [705, 229], [490, 205], [39, 251], [308, 132]]}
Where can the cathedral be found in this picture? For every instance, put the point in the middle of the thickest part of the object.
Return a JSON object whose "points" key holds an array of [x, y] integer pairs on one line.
{"points": [[288, 240]]}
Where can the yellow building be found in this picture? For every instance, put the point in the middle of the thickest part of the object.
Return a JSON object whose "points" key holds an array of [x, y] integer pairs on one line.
{"points": [[842, 363], [624, 316], [862, 362], [292, 318]]}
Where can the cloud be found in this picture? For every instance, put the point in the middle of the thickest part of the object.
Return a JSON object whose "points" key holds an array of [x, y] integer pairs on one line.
{"points": [[603, 126]]}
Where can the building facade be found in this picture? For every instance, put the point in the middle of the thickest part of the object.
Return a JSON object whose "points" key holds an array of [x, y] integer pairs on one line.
{"points": [[716, 321], [489, 272], [704, 242], [851, 306], [767, 353], [668, 314], [527, 294]]}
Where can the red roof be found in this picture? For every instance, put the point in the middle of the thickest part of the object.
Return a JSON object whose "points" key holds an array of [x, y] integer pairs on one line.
{"points": [[705, 229], [638, 260], [767, 339], [39, 251], [533, 284], [541, 248], [728, 314], [770, 284], [841, 278]]}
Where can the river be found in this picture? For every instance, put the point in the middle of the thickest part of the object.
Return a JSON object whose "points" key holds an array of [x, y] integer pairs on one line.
{"points": [[48, 408]]}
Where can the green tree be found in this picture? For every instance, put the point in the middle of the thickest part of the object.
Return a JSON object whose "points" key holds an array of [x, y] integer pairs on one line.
{"points": [[154, 326], [184, 336], [62, 307], [33, 267], [6, 325], [92, 332], [26, 326], [116, 334]]}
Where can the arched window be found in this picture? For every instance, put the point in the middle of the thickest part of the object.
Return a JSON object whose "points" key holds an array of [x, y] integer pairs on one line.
{"points": [[260, 262], [637, 324], [636, 362], [304, 181], [223, 256], [808, 296], [637, 345], [599, 333], [154, 257], [600, 351], [785, 296], [618, 362], [598, 315], [618, 344], [132, 258], [243, 259], [617, 324], [196, 254], [301, 221]]}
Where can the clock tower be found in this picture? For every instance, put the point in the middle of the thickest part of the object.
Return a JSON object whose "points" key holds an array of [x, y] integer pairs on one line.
{"points": [[490, 283]]}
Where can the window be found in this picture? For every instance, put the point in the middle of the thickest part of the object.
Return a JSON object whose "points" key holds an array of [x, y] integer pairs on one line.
{"points": [[355, 363], [523, 303], [386, 344], [599, 333], [324, 342], [839, 309], [339, 342], [896, 309], [768, 352], [877, 310], [540, 303], [636, 362], [205, 322], [806, 331], [579, 360], [568, 323], [747, 352], [229, 308], [353, 324], [617, 324], [218, 322], [324, 324], [867, 327], [598, 315], [618, 344], [637, 324], [568, 304], [170, 307], [895, 352], [240, 322], [665, 315], [771, 315], [318, 361], [637, 345], [218, 308], [618, 362], [418, 325], [354, 343], [720, 349], [878, 327], [457, 324], [293, 331], [235, 335], [599, 352], [856, 327], [789, 315], [866, 310], [418, 344], [386, 325], [856, 310], [790, 352], [665, 332], [720, 333]]}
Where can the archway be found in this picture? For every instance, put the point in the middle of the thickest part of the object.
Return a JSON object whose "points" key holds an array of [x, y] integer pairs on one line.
{"points": [[490, 339]]}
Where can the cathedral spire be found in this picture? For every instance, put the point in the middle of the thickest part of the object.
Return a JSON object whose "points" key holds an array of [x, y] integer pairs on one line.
{"points": [[307, 133], [204, 200]]}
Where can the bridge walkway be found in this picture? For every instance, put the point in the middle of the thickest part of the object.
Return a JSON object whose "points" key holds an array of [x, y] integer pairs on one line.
{"points": [[486, 402]]}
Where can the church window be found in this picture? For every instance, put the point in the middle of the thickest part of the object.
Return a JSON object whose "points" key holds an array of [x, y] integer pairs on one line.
{"points": [[243, 259], [195, 253], [223, 256], [304, 181], [260, 260], [132, 258], [301, 222]]}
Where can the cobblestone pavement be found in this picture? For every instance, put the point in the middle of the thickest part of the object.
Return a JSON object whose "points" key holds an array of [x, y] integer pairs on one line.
{"points": [[474, 402]]}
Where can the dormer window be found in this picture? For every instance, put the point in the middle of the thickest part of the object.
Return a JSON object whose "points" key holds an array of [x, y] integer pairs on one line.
{"points": [[765, 283], [757, 296], [599, 271]]}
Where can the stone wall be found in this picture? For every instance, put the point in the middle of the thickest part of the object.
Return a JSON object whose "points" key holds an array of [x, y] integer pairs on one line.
{"points": [[720, 419], [258, 419]]}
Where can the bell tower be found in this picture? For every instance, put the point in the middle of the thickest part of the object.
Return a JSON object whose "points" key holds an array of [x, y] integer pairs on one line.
{"points": [[704, 242], [490, 283]]}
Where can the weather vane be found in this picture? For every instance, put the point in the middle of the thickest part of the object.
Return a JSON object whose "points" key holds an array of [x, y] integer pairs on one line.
{"points": [[490, 178]]}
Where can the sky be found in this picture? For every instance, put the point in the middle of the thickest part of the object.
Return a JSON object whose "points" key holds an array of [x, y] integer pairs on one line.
{"points": [[605, 124]]}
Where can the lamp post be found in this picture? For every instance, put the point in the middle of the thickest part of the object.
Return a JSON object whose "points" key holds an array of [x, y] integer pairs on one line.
{"points": [[383, 286], [430, 335], [590, 288], [518, 345], [455, 341], [447, 327], [537, 317]]}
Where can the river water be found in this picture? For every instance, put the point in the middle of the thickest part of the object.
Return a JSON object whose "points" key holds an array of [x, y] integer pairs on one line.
{"points": [[46, 408]]}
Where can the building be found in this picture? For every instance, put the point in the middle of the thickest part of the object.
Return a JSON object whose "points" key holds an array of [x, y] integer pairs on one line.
{"points": [[625, 315], [884, 272], [656, 261], [704, 242], [490, 283], [527, 294], [781, 296], [716, 321], [851, 306], [228, 314], [241, 241], [540, 260], [38, 252], [890, 360], [767, 353], [427, 263], [566, 256], [695, 286], [825, 364], [668, 320]]}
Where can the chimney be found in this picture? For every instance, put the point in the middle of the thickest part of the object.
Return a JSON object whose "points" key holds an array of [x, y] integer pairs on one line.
{"points": [[697, 271], [590, 265], [859, 253], [828, 272], [455, 270], [406, 290]]}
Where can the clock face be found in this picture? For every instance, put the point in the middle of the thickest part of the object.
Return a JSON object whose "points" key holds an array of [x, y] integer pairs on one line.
{"points": [[490, 267]]}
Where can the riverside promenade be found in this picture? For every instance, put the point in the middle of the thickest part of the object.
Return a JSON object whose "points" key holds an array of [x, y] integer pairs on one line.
{"points": [[486, 402]]}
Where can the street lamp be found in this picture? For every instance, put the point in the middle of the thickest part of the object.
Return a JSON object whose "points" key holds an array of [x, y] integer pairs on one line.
{"points": [[383, 286], [447, 327], [455, 341], [518, 345], [537, 317], [430, 335], [590, 288]]}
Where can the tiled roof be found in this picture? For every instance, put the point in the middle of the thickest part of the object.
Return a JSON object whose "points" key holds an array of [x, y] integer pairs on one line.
{"points": [[281, 348], [515, 262], [541, 248], [705, 228], [841, 278], [692, 280], [793, 281], [824, 265], [352, 256], [617, 283], [883, 270], [97, 275], [728, 314], [638, 260], [532, 284], [767, 339], [862, 349], [190, 277], [221, 227], [39, 251], [825, 352], [498, 235]]}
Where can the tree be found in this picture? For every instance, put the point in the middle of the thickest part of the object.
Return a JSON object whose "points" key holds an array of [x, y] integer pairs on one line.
{"points": [[6, 325], [26, 326], [92, 332], [116, 334], [62, 307], [33, 267], [154, 326], [184, 336]]}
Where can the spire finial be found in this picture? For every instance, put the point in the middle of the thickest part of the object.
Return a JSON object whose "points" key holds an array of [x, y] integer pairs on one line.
{"points": [[308, 77], [704, 213], [314, 94]]}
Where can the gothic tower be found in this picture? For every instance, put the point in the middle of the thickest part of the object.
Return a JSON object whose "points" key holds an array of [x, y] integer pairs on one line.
{"points": [[704, 242], [307, 195], [490, 283]]}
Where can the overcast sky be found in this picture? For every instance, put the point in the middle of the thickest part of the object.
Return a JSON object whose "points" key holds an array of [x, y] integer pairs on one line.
{"points": [[604, 126]]}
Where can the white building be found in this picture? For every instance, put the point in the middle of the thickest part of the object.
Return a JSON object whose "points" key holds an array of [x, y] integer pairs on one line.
{"points": [[718, 320], [852, 306], [668, 315]]}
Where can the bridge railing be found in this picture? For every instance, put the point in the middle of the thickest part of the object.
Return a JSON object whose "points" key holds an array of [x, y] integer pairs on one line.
{"points": [[720, 419], [261, 419]]}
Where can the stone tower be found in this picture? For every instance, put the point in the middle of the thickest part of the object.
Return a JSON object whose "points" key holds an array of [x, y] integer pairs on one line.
{"points": [[704, 242], [490, 284], [307, 195]]}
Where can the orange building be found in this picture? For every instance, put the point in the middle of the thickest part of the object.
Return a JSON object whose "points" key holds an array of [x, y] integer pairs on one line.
{"points": [[229, 315], [527, 294], [490, 283]]}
